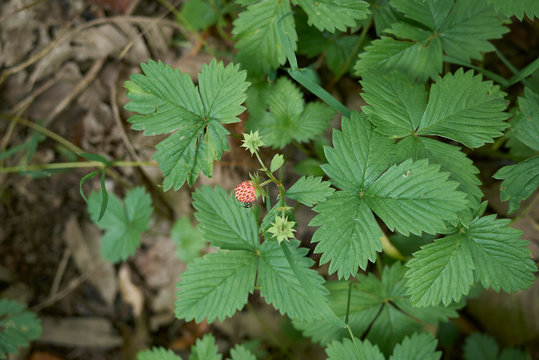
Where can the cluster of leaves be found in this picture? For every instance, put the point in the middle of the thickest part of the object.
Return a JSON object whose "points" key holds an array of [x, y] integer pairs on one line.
{"points": [[18, 326]]}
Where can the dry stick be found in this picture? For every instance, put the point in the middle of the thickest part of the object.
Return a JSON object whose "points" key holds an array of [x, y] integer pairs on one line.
{"points": [[60, 272], [22, 8]]}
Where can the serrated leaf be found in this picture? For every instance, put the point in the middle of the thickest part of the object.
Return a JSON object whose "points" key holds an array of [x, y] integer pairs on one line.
{"points": [[310, 190], [396, 104], [489, 252], [358, 156], [519, 181], [463, 108], [348, 236], [276, 162], [480, 347], [223, 222], [414, 196], [123, 223], [526, 129], [431, 14], [167, 101], [347, 350], [257, 33], [216, 285], [240, 352], [280, 286], [188, 240], [418, 346], [517, 8], [205, 349], [330, 14], [289, 119], [18, 326], [383, 15], [157, 353]]}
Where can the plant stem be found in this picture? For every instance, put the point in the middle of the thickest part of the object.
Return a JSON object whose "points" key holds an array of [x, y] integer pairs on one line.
{"points": [[74, 165], [354, 341], [346, 318]]}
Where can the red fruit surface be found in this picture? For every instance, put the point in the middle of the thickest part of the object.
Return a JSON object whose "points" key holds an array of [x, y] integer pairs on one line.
{"points": [[245, 192]]}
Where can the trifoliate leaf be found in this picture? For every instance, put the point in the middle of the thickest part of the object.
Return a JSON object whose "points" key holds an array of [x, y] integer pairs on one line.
{"points": [[289, 119], [526, 129], [223, 222], [257, 33], [205, 349], [414, 196], [463, 108], [396, 104], [483, 347], [280, 286], [418, 346], [188, 240], [488, 252], [519, 181], [240, 352], [459, 29], [358, 156], [517, 8], [158, 353], [276, 162], [347, 350], [167, 100], [330, 14], [216, 285], [348, 236], [18, 326], [310, 190], [123, 223]]}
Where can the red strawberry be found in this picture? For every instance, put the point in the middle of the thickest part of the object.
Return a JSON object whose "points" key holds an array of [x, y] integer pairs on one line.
{"points": [[245, 192]]}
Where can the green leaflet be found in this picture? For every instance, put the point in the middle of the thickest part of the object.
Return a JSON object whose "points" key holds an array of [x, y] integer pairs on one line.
{"points": [[157, 353], [167, 100], [346, 350], [257, 33], [240, 352], [188, 240], [330, 14], [123, 223], [519, 181], [310, 190], [288, 117], [483, 347], [18, 326], [526, 129], [517, 8], [459, 29], [205, 349], [488, 252]]}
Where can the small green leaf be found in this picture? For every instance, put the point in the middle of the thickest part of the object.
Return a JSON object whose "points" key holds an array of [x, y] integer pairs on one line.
{"points": [[85, 178], [480, 347], [157, 353], [519, 181], [188, 240], [18, 326], [199, 14], [310, 190], [418, 346], [276, 162], [526, 129], [240, 352], [347, 350], [123, 223], [216, 285], [330, 15], [205, 349], [517, 8]]}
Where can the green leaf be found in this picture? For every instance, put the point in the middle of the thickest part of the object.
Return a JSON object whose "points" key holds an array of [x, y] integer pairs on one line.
{"points": [[224, 222], [418, 346], [123, 223], [396, 104], [480, 347], [358, 156], [330, 14], [463, 108], [167, 100], [346, 350], [526, 128], [18, 326], [276, 162], [348, 235], [519, 181], [310, 190], [384, 15], [188, 240], [240, 352], [289, 119], [256, 31], [517, 8], [205, 349], [488, 252], [216, 285], [280, 286], [157, 353], [199, 14], [415, 197], [430, 14]]}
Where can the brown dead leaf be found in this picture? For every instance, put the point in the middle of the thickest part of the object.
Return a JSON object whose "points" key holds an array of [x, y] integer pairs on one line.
{"points": [[77, 331], [130, 292]]}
